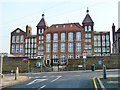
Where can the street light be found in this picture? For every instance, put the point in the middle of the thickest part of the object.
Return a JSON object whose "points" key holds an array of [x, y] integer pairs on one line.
{"points": [[2, 56], [84, 57]]}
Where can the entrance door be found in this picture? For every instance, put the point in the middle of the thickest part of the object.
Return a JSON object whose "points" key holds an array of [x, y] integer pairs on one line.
{"points": [[48, 62]]}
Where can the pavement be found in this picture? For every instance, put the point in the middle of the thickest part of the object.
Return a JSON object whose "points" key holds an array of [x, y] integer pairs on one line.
{"points": [[9, 80], [73, 71], [111, 82]]}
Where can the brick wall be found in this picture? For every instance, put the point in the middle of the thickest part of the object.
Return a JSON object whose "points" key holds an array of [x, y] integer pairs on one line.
{"points": [[111, 62]]}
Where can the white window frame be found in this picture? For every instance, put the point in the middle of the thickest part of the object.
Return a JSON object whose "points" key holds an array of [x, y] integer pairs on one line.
{"points": [[99, 49], [62, 58], [21, 48], [55, 36], [42, 30], [103, 43], [89, 35], [48, 37], [86, 28], [47, 56], [62, 36], [55, 47], [70, 56], [39, 48], [90, 46], [55, 57], [95, 49], [89, 28], [78, 36], [13, 39], [18, 39], [108, 49], [89, 40], [95, 43], [22, 38], [70, 36], [42, 48], [62, 47], [42, 37], [70, 47], [103, 37], [95, 37], [17, 48], [107, 43], [99, 43], [103, 49], [78, 56], [13, 48], [99, 37], [48, 47], [39, 37], [78, 47], [107, 37]]}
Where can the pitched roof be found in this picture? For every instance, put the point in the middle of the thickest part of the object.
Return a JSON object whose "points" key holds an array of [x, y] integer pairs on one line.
{"points": [[42, 22], [87, 19], [20, 30], [118, 31]]}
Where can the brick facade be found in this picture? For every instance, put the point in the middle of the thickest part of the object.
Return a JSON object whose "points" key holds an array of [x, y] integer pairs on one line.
{"points": [[77, 38]]}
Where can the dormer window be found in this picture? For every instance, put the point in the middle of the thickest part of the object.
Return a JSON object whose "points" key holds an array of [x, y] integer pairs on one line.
{"points": [[85, 28], [63, 25], [57, 26], [71, 25], [89, 28]]}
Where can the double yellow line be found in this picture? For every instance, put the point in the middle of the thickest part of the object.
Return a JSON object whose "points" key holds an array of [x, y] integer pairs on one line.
{"points": [[95, 83]]}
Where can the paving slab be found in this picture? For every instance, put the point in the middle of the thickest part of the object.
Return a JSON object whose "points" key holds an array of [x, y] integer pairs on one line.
{"points": [[9, 80]]}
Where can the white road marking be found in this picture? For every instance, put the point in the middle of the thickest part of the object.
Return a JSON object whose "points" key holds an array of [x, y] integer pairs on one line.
{"points": [[36, 77], [36, 81], [40, 77], [42, 87], [44, 76], [56, 78]]}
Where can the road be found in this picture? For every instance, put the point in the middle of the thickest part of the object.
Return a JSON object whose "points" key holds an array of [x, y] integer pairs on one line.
{"points": [[61, 80]]}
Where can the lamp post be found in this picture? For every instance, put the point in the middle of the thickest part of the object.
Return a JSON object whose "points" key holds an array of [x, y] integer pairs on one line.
{"points": [[28, 65], [2, 56], [84, 57]]}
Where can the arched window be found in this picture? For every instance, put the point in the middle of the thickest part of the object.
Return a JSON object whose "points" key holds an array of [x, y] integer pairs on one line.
{"points": [[22, 38], [70, 36], [85, 28], [78, 36], [89, 27]]}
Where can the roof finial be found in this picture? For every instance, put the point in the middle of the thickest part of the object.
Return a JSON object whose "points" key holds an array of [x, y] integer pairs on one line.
{"points": [[87, 10], [43, 15]]}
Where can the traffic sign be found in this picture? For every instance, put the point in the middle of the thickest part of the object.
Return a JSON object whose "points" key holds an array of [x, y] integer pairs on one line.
{"points": [[80, 65], [99, 62], [2, 56], [84, 57], [84, 52], [25, 59], [39, 63]]}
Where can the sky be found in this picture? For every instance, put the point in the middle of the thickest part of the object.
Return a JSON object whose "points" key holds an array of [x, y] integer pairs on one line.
{"points": [[19, 13]]}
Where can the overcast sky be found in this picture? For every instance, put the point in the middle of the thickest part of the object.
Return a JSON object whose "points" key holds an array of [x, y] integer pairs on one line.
{"points": [[19, 13]]}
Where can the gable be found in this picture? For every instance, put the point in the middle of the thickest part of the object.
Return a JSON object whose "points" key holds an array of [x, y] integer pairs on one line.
{"points": [[18, 30]]}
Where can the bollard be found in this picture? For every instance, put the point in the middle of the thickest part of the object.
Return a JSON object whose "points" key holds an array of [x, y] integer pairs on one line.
{"points": [[16, 74], [104, 72], [2, 76]]}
